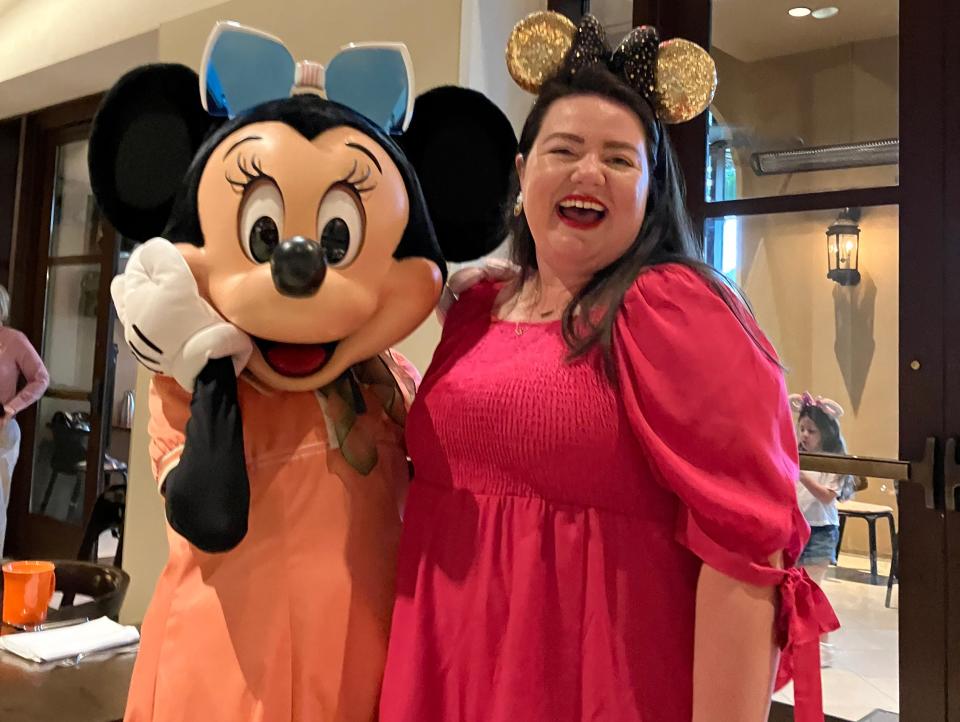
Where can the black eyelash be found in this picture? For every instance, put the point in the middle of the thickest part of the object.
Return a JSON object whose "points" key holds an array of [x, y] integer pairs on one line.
{"points": [[250, 173], [356, 178]]}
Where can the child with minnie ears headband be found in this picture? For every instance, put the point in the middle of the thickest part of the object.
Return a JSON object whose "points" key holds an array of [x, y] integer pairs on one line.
{"points": [[818, 431]]}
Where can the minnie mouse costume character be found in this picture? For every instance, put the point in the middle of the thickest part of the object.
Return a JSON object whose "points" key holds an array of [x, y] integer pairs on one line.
{"points": [[292, 243]]}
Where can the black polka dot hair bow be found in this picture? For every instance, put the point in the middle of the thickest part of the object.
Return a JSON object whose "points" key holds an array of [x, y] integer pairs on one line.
{"points": [[634, 60]]}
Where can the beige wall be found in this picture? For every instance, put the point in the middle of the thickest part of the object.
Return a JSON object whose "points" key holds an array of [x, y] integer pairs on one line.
{"points": [[835, 95], [484, 30], [35, 34], [76, 77], [145, 536], [315, 30], [837, 342]]}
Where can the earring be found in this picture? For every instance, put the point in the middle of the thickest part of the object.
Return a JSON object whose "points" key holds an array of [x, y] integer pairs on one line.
{"points": [[518, 206]]}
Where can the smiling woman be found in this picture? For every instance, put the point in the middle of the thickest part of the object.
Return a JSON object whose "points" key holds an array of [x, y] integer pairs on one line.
{"points": [[584, 178], [617, 546], [590, 139]]}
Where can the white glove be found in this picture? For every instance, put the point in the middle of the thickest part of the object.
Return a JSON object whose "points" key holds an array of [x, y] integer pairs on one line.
{"points": [[495, 269], [168, 325]]}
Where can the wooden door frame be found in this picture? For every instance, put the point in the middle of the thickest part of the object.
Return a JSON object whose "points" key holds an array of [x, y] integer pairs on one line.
{"points": [[950, 240], [43, 131], [11, 131], [573, 9]]}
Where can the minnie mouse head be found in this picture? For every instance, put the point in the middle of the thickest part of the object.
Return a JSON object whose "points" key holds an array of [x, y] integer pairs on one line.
{"points": [[313, 229]]}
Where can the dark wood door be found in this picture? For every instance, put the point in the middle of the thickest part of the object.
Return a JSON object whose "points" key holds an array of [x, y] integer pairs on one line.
{"points": [[66, 257], [943, 76]]}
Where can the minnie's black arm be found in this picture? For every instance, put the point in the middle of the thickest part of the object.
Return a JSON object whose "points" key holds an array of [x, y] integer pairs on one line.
{"points": [[208, 492]]}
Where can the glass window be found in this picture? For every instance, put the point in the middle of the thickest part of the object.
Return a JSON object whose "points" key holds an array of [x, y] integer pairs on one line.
{"points": [[74, 222], [840, 342], [804, 104]]}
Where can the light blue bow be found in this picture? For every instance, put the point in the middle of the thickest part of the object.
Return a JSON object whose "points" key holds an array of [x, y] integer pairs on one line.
{"points": [[243, 67]]}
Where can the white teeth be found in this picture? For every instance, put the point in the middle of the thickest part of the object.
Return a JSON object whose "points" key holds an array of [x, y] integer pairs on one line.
{"points": [[587, 205]]}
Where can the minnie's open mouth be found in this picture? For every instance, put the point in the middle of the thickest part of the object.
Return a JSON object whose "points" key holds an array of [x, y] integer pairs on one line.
{"points": [[295, 359], [581, 211]]}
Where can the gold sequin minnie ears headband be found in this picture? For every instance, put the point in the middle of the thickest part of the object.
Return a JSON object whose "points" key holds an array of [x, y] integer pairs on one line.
{"points": [[677, 77]]}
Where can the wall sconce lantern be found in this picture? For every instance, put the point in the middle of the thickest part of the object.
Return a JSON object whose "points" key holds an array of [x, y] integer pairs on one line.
{"points": [[843, 248]]}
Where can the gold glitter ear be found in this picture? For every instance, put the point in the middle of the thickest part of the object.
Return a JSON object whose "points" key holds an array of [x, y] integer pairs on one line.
{"points": [[686, 81], [537, 47]]}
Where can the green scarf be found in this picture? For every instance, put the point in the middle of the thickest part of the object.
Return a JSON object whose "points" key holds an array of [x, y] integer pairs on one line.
{"points": [[345, 402]]}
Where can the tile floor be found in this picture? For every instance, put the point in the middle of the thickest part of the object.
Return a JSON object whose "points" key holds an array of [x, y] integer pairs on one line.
{"points": [[864, 675]]}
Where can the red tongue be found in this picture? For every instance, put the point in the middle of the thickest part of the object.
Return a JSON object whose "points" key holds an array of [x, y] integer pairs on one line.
{"points": [[296, 359]]}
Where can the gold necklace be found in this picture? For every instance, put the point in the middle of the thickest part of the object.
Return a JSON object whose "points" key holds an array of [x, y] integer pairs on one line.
{"points": [[520, 330]]}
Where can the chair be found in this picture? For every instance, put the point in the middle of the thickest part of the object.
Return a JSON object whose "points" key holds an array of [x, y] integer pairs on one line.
{"points": [[871, 513], [70, 434], [107, 515], [107, 586], [894, 575]]}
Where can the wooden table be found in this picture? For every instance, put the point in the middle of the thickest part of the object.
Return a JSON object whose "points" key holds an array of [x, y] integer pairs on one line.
{"points": [[91, 691]]}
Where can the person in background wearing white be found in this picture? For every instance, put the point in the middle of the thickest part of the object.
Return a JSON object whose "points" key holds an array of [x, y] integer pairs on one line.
{"points": [[818, 431], [17, 358]]}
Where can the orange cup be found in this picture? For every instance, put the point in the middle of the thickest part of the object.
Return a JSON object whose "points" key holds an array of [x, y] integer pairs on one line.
{"points": [[27, 590]]}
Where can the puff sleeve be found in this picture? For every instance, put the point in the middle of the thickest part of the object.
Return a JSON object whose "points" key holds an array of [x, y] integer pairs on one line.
{"points": [[707, 400]]}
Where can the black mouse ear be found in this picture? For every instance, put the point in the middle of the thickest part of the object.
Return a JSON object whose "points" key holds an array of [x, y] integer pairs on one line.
{"points": [[144, 137], [463, 148]]}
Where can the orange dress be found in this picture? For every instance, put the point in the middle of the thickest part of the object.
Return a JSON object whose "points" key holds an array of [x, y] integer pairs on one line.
{"points": [[292, 623]]}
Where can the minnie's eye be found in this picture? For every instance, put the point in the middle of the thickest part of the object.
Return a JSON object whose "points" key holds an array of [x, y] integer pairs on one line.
{"points": [[261, 221], [263, 238], [340, 227]]}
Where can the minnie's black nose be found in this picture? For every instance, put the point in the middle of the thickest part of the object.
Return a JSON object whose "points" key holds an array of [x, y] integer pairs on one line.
{"points": [[298, 267]]}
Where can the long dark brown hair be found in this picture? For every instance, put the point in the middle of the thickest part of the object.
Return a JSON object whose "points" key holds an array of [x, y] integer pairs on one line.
{"points": [[831, 440], [666, 234]]}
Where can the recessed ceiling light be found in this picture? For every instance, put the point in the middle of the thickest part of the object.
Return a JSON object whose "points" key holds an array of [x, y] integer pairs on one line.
{"points": [[824, 13], [799, 12]]}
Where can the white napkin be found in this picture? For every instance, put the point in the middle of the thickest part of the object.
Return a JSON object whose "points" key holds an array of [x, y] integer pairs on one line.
{"points": [[80, 639]]}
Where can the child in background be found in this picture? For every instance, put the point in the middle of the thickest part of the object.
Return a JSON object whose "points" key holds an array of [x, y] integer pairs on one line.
{"points": [[818, 431]]}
